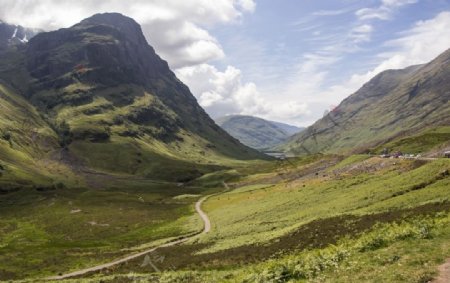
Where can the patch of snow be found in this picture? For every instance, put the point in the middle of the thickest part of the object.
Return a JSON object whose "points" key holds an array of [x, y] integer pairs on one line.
{"points": [[24, 39], [15, 33]]}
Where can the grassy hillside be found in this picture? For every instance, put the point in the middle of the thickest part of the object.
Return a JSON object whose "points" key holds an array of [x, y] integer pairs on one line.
{"points": [[29, 150], [102, 100], [256, 132], [394, 103], [433, 141], [318, 219]]}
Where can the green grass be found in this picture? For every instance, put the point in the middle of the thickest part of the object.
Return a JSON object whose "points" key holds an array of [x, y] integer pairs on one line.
{"points": [[264, 213], [418, 143], [350, 160], [51, 223], [45, 233], [407, 251], [66, 229]]}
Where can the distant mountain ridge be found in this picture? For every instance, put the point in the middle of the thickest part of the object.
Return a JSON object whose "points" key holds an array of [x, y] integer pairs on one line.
{"points": [[392, 104], [256, 132]]}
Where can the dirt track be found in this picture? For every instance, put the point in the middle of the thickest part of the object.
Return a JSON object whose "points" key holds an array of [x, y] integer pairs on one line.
{"points": [[206, 229], [444, 273]]}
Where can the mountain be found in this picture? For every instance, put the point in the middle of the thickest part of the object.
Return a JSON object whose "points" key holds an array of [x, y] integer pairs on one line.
{"points": [[96, 97], [15, 34], [394, 104], [256, 132], [289, 129]]}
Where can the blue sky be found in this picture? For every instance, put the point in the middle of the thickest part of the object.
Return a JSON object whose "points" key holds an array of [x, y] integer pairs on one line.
{"points": [[282, 60], [273, 42]]}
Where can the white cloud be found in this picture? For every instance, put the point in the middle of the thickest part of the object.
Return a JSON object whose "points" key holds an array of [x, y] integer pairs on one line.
{"points": [[422, 43], [177, 29], [223, 93], [361, 33], [330, 12], [247, 5], [381, 13], [418, 45], [384, 11], [398, 3], [220, 93]]}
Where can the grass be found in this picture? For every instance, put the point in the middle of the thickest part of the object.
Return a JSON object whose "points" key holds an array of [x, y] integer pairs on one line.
{"points": [[51, 222], [419, 143], [44, 233], [70, 205], [350, 160], [27, 146], [266, 213], [405, 251]]}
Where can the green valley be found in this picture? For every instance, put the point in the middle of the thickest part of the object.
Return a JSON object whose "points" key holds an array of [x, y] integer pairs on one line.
{"points": [[111, 170]]}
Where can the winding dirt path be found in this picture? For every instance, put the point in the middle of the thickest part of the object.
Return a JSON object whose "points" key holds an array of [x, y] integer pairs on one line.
{"points": [[206, 229]]}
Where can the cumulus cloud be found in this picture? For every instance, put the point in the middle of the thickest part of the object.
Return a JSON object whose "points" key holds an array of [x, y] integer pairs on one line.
{"points": [[177, 29], [223, 93]]}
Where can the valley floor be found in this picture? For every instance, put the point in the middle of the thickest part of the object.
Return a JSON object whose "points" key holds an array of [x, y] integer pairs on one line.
{"points": [[322, 218]]}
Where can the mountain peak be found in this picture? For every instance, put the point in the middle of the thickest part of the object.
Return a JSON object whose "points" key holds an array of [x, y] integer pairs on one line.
{"points": [[109, 48], [113, 19], [123, 24], [116, 20]]}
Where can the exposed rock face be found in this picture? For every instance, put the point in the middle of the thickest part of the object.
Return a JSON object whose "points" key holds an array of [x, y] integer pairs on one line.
{"points": [[109, 49]]}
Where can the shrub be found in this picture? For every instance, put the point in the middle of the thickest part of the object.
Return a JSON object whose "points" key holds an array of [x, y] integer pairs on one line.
{"points": [[6, 136]]}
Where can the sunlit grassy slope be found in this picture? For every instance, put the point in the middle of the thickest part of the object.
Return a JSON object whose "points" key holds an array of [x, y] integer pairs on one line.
{"points": [[260, 212], [29, 148], [434, 139], [315, 220]]}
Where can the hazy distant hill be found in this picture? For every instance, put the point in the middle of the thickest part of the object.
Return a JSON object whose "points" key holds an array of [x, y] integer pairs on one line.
{"points": [[256, 132], [393, 104]]}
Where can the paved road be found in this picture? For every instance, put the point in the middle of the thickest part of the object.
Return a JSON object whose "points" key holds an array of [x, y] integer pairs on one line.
{"points": [[206, 229]]}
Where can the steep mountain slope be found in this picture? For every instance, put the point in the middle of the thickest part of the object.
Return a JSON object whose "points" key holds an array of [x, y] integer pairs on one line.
{"points": [[256, 132], [113, 104], [15, 34], [26, 143], [395, 103]]}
